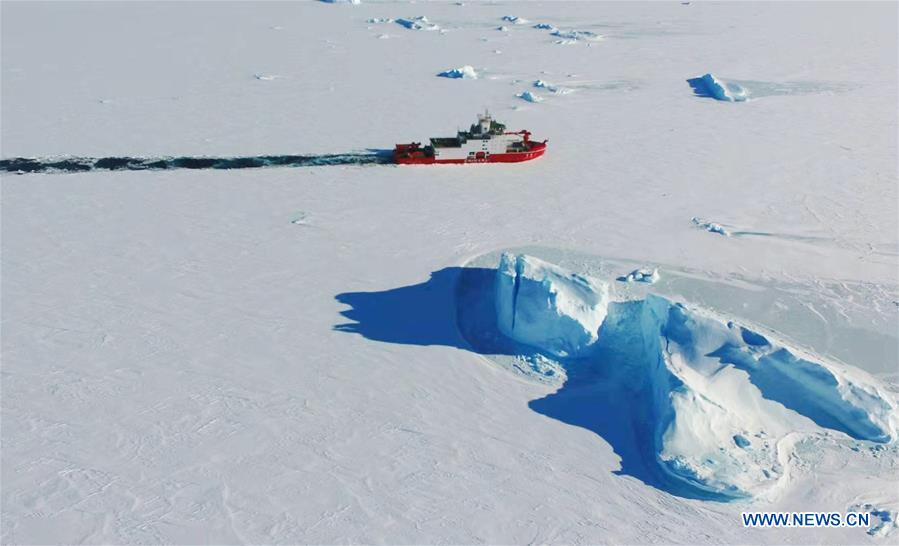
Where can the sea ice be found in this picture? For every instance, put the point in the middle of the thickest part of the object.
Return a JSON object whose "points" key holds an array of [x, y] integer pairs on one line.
{"points": [[884, 520], [418, 23]]}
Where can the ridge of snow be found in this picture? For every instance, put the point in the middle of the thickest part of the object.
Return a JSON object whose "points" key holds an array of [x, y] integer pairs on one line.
{"points": [[576, 35]]}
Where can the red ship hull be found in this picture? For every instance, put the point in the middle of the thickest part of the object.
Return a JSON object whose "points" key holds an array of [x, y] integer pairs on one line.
{"points": [[535, 150]]}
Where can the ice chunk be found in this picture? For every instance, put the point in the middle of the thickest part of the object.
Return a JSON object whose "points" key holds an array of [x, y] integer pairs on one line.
{"points": [[711, 86], [552, 88], [649, 276], [463, 72], [530, 97], [711, 227], [544, 26], [418, 23], [354, 2], [542, 305], [515, 20], [503, 28]]}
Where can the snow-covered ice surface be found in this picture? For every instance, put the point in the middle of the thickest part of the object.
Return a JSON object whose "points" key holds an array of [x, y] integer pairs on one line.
{"points": [[187, 358]]}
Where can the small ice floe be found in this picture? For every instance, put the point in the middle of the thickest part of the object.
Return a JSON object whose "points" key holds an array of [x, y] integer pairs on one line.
{"points": [[379, 20], [417, 23], [515, 20], [266, 77], [497, 51], [503, 28], [544, 26], [354, 2], [711, 86], [383, 36], [711, 227], [530, 97], [552, 88], [649, 276], [571, 36], [276, 27], [466, 72]]}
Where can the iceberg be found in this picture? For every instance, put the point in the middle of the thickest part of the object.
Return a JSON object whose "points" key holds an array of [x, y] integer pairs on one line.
{"points": [[718, 407], [466, 72], [417, 23], [711, 86], [544, 306], [649, 276], [530, 97]]}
